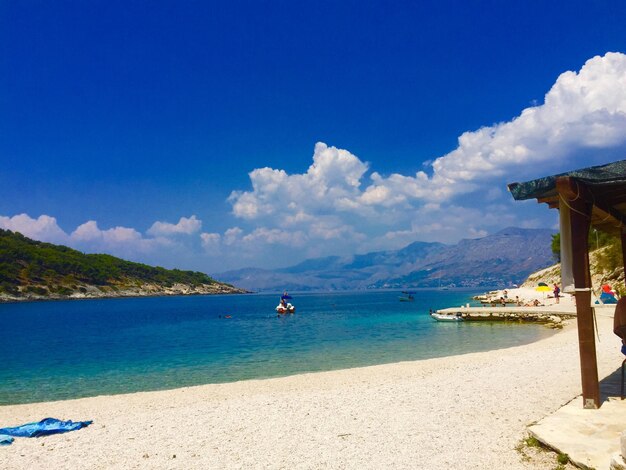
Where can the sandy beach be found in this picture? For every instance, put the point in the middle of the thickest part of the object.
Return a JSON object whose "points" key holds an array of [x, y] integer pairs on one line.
{"points": [[527, 295], [461, 412]]}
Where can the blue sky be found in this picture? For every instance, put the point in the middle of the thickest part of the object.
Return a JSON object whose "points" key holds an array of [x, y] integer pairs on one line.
{"points": [[217, 135]]}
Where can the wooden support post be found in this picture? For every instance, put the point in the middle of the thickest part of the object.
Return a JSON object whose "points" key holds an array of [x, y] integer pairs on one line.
{"points": [[580, 217], [623, 237]]}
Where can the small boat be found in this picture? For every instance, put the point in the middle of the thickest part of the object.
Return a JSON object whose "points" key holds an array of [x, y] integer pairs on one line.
{"points": [[285, 307], [285, 310], [407, 297], [442, 317]]}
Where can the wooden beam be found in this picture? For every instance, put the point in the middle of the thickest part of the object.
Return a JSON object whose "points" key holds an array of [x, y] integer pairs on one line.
{"points": [[572, 189], [552, 201], [616, 194], [548, 199], [580, 217]]}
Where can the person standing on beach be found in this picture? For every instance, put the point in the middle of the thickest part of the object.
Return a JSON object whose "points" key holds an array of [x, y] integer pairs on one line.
{"points": [[556, 291]]}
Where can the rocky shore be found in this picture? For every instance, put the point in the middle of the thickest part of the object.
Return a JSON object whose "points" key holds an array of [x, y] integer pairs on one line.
{"points": [[115, 291]]}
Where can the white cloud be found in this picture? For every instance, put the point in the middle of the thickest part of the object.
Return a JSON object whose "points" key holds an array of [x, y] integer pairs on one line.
{"points": [[584, 110], [334, 175], [120, 241], [211, 242], [445, 224], [232, 235], [43, 228], [334, 231], [87, 232], [493, 194], [185, 226], [275, 236]]}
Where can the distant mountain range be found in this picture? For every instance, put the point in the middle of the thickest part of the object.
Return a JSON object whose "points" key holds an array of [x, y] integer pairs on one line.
{"points": [[501, 259]]}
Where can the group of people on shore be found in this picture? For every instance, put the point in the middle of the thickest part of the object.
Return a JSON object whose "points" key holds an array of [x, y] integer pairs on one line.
{"points": [[505, 300], [518, 303], [551, 296]]}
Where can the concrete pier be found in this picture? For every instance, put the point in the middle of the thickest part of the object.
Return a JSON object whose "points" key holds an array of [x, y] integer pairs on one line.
{"points": [[538, 314], [547, 314]]}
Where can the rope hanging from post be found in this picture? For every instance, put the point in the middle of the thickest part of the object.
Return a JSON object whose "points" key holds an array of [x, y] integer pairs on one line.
{"points": [[608, 217], [561, 198]]}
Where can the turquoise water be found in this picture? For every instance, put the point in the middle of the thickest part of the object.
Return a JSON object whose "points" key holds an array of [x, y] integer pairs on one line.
{"points": [[69, 349]]}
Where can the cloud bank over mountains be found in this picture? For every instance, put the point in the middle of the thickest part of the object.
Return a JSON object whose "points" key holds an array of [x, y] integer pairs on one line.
{"points": [[583, 113], [340, 204]]}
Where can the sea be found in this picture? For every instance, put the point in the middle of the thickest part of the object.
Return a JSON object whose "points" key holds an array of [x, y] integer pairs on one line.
{"points": [[58, 350]]}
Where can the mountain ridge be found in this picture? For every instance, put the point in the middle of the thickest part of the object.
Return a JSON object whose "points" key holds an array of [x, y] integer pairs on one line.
{"points": [[500, 259]]}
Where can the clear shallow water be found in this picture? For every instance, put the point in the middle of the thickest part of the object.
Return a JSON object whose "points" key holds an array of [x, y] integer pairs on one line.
{"points": [[59, 350]]}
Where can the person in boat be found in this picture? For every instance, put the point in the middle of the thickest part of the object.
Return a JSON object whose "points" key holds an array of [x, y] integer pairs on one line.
{"points": [[284, 306]]}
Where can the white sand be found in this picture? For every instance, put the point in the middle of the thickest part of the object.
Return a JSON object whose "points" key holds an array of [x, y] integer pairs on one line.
{"points": [[463, 412], [528, 294]]}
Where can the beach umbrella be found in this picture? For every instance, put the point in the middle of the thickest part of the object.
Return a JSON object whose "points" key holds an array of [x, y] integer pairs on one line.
{"points": [[543, 287]]}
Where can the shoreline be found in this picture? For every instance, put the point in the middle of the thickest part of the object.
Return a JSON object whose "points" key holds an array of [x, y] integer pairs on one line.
{"points": [[466, 411], [280, 377], [7, 299]]}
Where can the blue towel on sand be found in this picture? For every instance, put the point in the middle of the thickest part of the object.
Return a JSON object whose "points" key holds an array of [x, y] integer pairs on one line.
{"points": [[44, 427], [5, 440]]}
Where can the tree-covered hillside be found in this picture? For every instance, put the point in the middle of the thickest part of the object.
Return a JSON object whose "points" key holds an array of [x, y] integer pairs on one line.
{"points": [[608, 260], [31, 266]]}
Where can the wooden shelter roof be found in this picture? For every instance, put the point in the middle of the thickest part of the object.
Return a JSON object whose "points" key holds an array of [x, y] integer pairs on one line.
{"points": [[604, 187]]}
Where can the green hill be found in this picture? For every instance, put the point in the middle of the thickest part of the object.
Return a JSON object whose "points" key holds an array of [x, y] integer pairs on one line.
{"points": [[30, 270]]}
